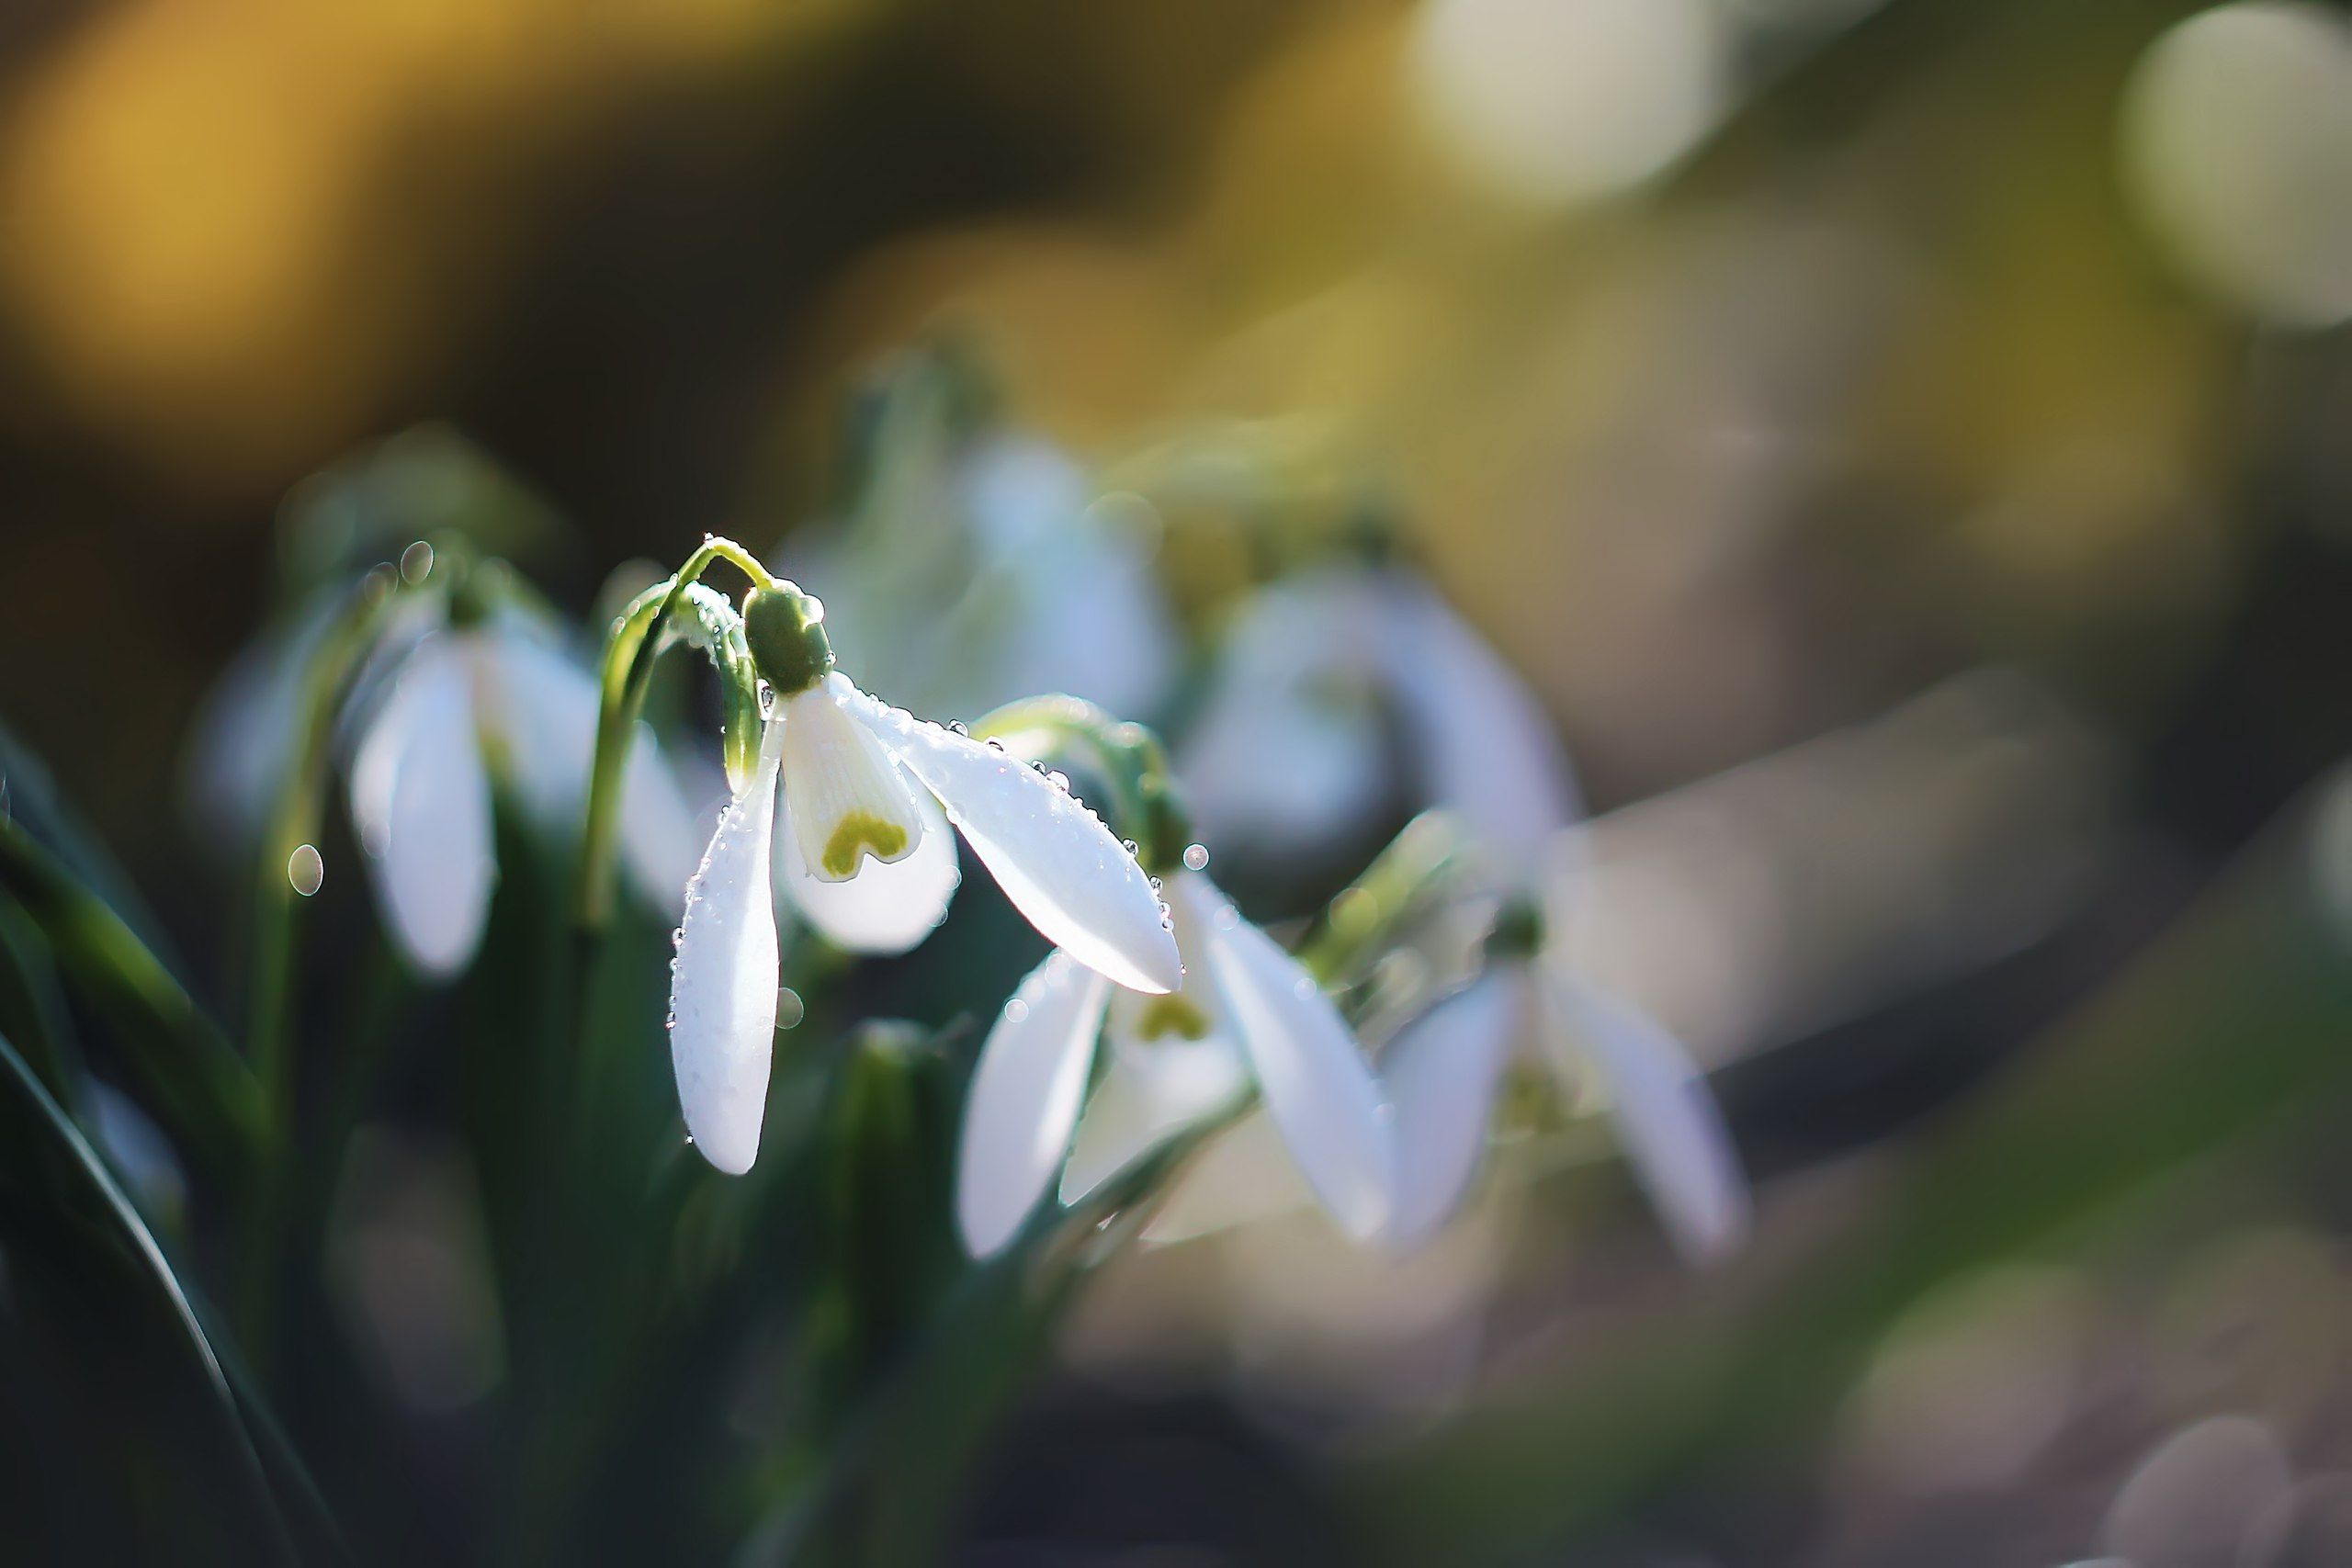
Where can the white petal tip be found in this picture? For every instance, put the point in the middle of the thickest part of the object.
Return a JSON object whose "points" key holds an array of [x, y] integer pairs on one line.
{"points": [[985, 1234], [730, 1156]]}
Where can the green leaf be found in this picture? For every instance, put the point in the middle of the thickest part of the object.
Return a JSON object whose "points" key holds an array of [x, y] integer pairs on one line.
{"points": [[30, 799], [193, 1076], [143, 1450]]}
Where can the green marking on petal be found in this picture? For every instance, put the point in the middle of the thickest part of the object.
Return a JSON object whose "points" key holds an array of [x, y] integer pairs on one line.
{"points": [[862, 832], [1171, 1014]]}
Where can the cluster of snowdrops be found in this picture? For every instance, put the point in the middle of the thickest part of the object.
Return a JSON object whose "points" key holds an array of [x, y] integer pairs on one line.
{"points": [[1161, 1012]]}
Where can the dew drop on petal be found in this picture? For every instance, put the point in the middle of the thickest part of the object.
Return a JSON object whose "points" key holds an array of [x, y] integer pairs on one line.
{"points": [[960, 728], [1015, 1011], [1131, 846], [1196, 857], [1303, 987], [417, 563], [1060, 781], [1226, 918], [789, 1009], [306, 870]]}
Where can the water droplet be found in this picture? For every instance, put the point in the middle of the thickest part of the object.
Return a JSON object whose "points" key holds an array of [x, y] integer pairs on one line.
{"points": [[417, 563], [1060, 781], [1227, 918], [959, 728], [306, 870], [1156, 885], [1303, 987], [994, 744], [789, 1009], [1015, 1011], [1130, 846], [1196, 857]]}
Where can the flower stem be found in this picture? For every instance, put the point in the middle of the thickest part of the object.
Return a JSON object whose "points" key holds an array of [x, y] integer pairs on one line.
{"points": [[294, 822], [628, 670]]}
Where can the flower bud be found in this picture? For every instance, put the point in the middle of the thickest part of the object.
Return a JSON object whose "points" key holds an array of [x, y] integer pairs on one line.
{"points": [[786, 631]]}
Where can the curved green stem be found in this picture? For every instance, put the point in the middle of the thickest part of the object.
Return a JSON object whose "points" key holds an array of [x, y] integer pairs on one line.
{"points": [[628, 670], [295, 821]]}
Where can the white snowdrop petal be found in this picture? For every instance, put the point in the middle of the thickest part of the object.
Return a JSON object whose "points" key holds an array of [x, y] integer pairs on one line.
{"points": [[543, 706], [883, 909], [1316, 1084], [1287, 753], [1172, 1063], [849, 805], [421, 798], [658, 830], [1025, 1097], [1665, 1114], [1441, 1074], [723, 981], [245, 732], [1145, 1098], [546, 706], [1056, 861], [1245, 1176], [1480, 743]]}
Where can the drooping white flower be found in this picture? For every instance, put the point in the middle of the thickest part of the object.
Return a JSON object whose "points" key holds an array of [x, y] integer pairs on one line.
{"points": [[1444, 1070], [1358, 670], [1352, 688], [1247, 1013], [465, 697], [978, 570], [852, 800]]}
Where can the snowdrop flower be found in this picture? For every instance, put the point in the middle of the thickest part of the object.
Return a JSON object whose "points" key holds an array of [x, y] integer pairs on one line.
{"points": [[482, 688], [1353, 689], [975, 567], [1327, 677], [1445, 1070], [854, 799], [1246, 1013]]}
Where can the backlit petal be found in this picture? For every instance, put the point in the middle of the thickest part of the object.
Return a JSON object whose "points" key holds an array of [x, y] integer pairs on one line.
{"points": [[1025, 1097], [1287, 754], [849, 805], [883, 909], [1316, 1084], [1145, 1098], [1441, 1073], [420, 797], [1056, 861], [1480, 744], [1665, 1114], [723, 981], [545, 705]]}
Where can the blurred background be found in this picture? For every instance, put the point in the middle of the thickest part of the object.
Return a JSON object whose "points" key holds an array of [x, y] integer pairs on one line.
{"points": [[1907, 447]]}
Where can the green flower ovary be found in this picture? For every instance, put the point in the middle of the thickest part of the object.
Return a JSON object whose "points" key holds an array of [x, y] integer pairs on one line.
{"points": [[785, 629]]}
